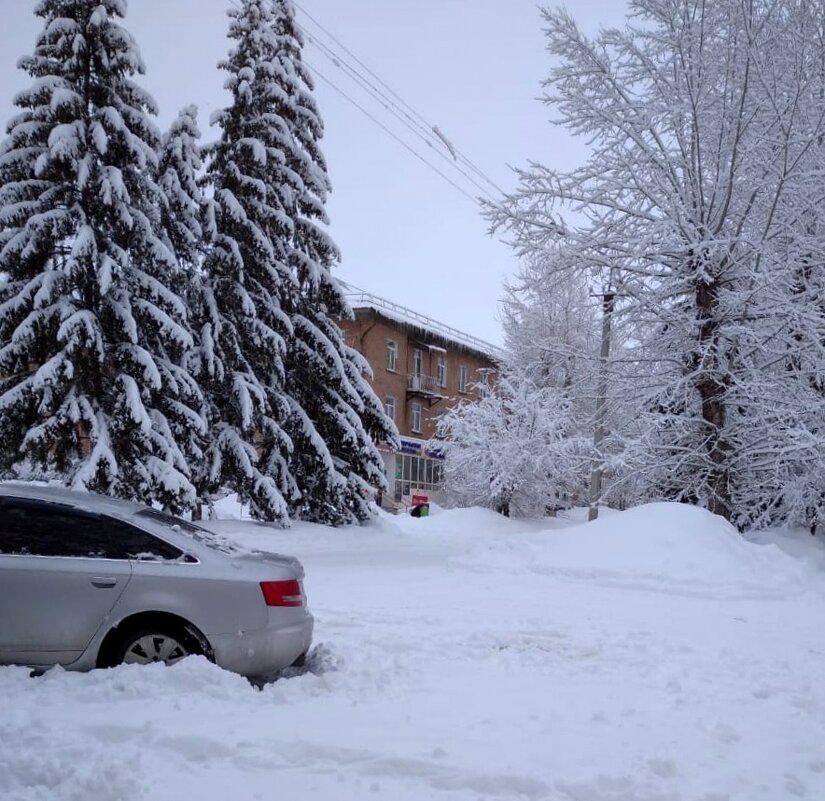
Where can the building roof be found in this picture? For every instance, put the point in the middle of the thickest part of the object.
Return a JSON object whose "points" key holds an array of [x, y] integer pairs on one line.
{"points": [[360, 299]]}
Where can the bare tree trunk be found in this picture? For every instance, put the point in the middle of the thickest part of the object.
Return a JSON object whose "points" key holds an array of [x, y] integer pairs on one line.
{"points": [[712, 388]]}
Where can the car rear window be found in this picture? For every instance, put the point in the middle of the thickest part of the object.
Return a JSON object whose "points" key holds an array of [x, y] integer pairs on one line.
{"points": [[189, 529]]}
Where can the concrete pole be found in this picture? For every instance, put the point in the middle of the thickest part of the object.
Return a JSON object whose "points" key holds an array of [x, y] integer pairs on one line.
{"points": [[600, 429]]}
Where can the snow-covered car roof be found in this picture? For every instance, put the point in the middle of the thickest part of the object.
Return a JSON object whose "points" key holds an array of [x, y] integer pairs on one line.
{"points": [[178, 531], [75, 498]]}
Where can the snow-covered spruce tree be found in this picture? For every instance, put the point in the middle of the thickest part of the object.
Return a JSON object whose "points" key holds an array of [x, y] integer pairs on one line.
{"points": [[271, 301], [335, 416], [178, 173], [182, 216], [91, 340], [704, 121], [335, 422], [514, 450], [240, 324]]}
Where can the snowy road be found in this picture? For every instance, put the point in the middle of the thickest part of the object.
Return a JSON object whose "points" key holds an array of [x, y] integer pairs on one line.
{"points": [[461, 657]]}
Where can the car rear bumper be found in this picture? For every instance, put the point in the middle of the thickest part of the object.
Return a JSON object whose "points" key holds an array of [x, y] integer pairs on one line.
{"points": [[263, 651]]}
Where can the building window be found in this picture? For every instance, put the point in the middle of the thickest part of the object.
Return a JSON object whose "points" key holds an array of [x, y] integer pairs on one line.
{"points": [[440, 415], [392, 355], [442, 371], [418, 362], [389, 406], [483, 385], [416, 473], [416, 416], [462, 378]]}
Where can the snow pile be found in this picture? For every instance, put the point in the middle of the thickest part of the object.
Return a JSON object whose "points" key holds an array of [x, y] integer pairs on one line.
{"points": [[796, 542], [660, 546], [458, 522], [110, 757]]}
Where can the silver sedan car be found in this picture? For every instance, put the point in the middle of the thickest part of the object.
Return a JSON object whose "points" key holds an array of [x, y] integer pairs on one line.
{"points": [[88, 581]]}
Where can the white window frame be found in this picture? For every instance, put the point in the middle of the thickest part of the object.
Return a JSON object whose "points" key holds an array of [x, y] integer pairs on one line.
{"points": [[483, 385], [418, 362], [462, 378], [416, 411], [392, 355], [441, 369], [389, 407]]}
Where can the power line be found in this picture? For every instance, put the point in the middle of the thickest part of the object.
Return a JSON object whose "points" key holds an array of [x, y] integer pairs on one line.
{"points": [[422, 122], [387, 103], [414, 129], [390, 132], [377, 92], [381, 125], [431, 136]]}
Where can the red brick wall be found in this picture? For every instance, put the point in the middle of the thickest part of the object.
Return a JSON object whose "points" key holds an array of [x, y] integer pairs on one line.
{"points": [[369, 335]]}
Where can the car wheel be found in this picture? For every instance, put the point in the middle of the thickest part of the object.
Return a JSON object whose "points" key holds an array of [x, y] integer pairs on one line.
{"points": [[161, 643]]}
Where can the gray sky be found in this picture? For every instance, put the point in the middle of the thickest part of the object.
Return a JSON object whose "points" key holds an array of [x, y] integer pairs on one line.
{"points": [[471, 67]]}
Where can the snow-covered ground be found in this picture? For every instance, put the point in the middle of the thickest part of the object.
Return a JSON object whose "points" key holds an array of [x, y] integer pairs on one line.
{"points": [[651, 656]]}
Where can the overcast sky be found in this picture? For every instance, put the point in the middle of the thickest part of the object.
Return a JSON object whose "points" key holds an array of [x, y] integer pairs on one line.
{"points": [[471, 67]]}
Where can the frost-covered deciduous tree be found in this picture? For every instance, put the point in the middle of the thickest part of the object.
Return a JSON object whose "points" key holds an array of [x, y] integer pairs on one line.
{"points": [[92, 341], [551, 331], [553, 326], [706, 125], [781, 459], [514, 450]]}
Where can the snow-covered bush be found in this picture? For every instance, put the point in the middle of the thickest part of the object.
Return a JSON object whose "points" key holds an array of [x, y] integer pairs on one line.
{"points": [[513, 450]]}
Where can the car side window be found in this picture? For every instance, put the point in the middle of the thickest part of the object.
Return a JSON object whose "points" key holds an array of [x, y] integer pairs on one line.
{"points": [[138, 544], [34, 529], [37, 530]]}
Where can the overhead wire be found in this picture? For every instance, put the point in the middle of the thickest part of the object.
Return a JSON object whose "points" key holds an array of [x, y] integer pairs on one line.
{"points": [[419, 119], [418, 126], [436, 146], [390, 132]]}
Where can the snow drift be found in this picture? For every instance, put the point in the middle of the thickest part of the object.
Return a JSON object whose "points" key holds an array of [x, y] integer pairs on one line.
{"points": [[655, 546]]}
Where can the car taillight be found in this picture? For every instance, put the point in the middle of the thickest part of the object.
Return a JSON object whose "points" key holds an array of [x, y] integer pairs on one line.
{"points": [[282, 593]]}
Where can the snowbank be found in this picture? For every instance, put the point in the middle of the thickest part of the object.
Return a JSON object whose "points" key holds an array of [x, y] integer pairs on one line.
{"points": [[667, 546], [796, 542]]}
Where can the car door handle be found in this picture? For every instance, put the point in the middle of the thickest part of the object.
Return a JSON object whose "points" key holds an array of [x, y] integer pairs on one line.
{"points": [[104, 582]]}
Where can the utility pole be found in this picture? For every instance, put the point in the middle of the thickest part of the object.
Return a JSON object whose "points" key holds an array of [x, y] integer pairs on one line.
{"points": [[600, 429]]}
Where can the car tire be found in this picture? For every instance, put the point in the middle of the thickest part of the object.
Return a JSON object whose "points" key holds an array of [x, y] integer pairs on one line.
{"points": [[157, 643]]}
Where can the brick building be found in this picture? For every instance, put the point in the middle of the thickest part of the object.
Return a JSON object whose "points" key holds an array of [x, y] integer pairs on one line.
{"points": [[421, 368]]}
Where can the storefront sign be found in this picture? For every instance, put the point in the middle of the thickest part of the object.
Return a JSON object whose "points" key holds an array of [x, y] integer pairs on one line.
{"points": [[413, 448]]}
